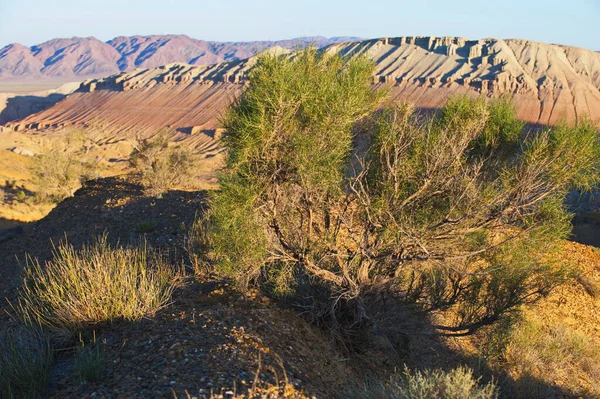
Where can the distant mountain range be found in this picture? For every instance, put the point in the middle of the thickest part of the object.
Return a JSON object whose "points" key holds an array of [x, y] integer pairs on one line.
{"points": [[81, 58]]}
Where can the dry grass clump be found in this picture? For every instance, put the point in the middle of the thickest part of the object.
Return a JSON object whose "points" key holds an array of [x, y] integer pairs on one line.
{"points": [[93, 285], [458, 383], [25, 361], [531, 351]]}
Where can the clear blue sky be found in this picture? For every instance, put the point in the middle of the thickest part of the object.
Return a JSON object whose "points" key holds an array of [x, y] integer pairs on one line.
{"points": [[573, 22]]}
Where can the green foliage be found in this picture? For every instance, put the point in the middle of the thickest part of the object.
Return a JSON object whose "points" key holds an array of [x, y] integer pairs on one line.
{"points": [[458, 383], [90, 362], [295, 121], [145, 227], [502, 130], [452, 212], [21, 196], [236, 236], [292, 126], [97, 284], [25, 362], [161, 167], [196, 244]]}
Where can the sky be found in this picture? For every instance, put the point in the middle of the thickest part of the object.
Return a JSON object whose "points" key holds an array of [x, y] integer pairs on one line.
{"points": [[573, 22]]}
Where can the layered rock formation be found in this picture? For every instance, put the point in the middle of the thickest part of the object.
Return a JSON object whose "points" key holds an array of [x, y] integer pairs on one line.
{"points": [[547, 82]]}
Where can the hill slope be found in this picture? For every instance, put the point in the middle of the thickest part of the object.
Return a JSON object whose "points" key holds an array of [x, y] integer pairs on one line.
{"points": [[78, 58]]}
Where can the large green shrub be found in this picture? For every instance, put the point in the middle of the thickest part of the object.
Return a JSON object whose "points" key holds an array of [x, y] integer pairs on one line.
{"points": [[451, 212]]}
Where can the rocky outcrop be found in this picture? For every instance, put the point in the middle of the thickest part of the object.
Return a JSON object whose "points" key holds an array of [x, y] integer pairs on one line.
{"points": [[548, 82], [22, 151]]}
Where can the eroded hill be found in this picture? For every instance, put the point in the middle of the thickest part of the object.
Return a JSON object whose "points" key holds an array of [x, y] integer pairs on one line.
{"points": [[548, 83]]}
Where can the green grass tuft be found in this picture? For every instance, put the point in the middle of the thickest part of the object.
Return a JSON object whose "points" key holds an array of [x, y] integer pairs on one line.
{"points": [[25, 362]]}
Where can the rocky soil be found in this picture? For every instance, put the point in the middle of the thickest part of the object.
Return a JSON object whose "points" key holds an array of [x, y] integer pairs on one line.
{"points": [[212, 339]]}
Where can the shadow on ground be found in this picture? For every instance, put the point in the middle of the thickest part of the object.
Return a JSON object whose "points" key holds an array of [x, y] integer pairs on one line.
{"points": [[21, 106], [212, 336]]}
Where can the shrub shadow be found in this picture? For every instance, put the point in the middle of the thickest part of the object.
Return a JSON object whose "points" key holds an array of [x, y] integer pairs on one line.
{"points": [[224, 335]]}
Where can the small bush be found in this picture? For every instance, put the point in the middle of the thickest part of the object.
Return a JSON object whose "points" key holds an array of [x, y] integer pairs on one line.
{"points": [[21, 196], [159, 166], [196, 245], [57, 175], [96, 284], [458, 383], [25, 362], [90, 363]]}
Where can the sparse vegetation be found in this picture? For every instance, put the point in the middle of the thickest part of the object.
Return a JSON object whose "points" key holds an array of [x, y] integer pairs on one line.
{"points": [[97, 284], [458, 383], [161, 167], [21, 196], [90, 362], [196, 244], [452, 213], [532, 352], [58, 175], [145, 227], [25, 361]]}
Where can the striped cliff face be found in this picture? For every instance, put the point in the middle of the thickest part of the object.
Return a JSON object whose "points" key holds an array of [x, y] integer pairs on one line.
{"points": [[548, 83]]}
